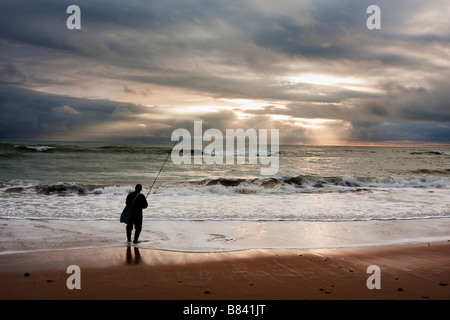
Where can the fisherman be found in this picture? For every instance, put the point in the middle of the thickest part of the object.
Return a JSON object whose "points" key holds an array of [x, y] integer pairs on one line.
{"points": [[137, 201]]}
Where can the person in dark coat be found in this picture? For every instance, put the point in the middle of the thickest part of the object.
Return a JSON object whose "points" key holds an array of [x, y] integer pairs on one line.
{"points": [[137, 201]]}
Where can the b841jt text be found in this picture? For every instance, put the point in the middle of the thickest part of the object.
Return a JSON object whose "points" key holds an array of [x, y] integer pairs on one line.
{"points": [[231, 309]]}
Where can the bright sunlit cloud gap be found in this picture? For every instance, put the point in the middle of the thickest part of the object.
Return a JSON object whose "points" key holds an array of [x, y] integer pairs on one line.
{"points": [[321, 79], [303, 122]]}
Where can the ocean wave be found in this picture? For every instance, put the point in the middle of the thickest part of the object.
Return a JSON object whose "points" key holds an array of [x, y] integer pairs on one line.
{"points": [[40, 148], [428, 171], [297, 184], [63, 188], [227, 185], [320, 182], [86, 148], [440, 153], [11, 149]]}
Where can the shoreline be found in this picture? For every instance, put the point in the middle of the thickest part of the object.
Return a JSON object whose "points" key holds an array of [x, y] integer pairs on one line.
{"points": [[217, 236], [418, 271]]}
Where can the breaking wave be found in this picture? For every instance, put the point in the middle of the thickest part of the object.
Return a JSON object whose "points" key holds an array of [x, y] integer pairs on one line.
{"points": [[63, 188], [289, 184], [320, 182], [40, 148], [440, 153], [85, 148]]}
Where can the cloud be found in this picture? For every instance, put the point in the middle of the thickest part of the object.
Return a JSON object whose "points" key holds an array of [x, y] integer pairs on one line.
{"points": [[65, 109], [381, 131], [10, 74], [131, 69]]}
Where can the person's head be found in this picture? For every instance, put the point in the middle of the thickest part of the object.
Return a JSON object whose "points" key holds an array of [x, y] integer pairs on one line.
{"points": [[138, 188]]}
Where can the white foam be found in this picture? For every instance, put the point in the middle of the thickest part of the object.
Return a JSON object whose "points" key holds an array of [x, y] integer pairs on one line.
{"points": [[239, 203], [40, 148]]}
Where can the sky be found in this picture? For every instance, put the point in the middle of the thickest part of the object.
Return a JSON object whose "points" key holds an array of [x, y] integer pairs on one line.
{"points": [[138, 70]]}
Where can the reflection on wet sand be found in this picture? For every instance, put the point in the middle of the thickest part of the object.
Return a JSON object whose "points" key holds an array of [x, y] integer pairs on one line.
{"points": [[129, 256]]}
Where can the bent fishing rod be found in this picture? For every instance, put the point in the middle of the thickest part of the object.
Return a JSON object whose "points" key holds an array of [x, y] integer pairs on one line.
{"points": [[168, 155]]}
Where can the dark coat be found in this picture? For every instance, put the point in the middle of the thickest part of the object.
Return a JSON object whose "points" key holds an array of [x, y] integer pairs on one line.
{"points": [[139, 204]]}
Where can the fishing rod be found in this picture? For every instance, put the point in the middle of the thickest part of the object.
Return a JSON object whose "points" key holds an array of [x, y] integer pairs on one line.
{"points": [[168, 155]]}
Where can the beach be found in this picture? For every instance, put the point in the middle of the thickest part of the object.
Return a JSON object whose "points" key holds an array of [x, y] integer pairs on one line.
{"points": [[314, 231], [418, 271], [231, 260]]}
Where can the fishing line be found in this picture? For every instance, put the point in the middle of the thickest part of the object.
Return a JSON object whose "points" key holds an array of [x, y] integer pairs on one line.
{"points": [[168, 155]]}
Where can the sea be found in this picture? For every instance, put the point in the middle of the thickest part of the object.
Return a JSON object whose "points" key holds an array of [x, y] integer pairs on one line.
{"points": [[81, 187]]}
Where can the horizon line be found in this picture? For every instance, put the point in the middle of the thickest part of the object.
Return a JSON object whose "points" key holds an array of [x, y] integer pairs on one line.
{"points": [[394, 144]]}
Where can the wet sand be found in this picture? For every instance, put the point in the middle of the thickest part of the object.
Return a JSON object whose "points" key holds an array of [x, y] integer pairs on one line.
{"points": [[414, 271]]}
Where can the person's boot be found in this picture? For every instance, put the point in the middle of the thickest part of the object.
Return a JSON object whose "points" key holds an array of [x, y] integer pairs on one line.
{"points": [[137, 232], [129, 235]]}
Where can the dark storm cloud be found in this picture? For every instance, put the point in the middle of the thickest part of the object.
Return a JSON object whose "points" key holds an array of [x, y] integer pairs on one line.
{"points": [[27, 114], [231, 50], [400, 103], [380, 131]]}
